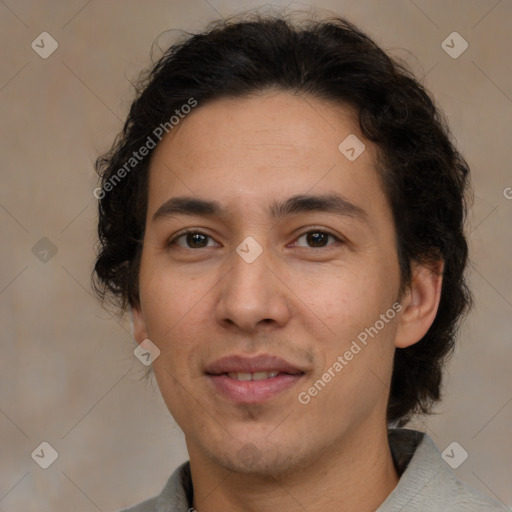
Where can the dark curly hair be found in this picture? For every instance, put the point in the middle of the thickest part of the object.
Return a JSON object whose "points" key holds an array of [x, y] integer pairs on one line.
{"points": [[422, 173]]}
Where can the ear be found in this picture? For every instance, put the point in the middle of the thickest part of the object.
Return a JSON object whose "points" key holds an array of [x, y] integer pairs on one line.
{"points": [[139, 325], [420, 303]]}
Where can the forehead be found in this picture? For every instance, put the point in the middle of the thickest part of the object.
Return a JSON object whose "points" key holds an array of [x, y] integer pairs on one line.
{"points": [[265, 147]]}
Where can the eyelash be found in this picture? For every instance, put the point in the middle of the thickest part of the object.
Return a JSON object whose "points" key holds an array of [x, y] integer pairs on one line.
{"points": [[197, 232]]}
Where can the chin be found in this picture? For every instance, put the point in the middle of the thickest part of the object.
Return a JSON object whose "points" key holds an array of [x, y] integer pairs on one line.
{"points": [[260, 459]]}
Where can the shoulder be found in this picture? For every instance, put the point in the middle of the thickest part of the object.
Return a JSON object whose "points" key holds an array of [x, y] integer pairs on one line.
{"points": [[176, 496], [466, 499], [145, 506], [427, 484]]}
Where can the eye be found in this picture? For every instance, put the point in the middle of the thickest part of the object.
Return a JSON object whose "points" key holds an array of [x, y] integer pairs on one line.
{"points": [[192, 240], [317, 239]]}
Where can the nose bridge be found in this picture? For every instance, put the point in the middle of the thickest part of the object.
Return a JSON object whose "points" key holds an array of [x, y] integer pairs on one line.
{"points": [[250, 269], [251, 291]]}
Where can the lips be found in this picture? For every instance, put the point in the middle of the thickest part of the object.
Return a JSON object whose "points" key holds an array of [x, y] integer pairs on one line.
{"points": [[262, 363], [250, 380]]}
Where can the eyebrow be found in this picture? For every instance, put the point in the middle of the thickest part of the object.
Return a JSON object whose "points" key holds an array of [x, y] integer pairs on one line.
{"points": [[328, 203]]}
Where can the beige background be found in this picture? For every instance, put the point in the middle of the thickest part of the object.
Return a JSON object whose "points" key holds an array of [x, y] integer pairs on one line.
{"points": [[67, 372]]}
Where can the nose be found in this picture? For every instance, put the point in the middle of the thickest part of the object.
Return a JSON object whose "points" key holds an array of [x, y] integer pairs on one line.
{"points": [[253, 295]]}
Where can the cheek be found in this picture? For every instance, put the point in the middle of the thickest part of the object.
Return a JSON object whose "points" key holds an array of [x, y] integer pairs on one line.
{"points": [[176, 307], [349, 308], [345, 301], [170, 299], [176, 393]]}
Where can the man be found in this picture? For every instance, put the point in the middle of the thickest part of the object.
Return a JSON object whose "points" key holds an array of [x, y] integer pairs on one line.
{"points": [[283, 213]]}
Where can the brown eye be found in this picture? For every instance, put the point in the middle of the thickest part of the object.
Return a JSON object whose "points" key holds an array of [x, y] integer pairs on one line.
{"points": [[317, 239], [196, 239], [193, 240]]}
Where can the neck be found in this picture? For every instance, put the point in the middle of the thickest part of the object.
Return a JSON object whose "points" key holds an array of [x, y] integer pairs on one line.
{"points": [[356, 476]]}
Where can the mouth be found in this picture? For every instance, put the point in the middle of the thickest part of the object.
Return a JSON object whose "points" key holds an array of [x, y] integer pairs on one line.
{"points": [[244, 380], [252, 376]]}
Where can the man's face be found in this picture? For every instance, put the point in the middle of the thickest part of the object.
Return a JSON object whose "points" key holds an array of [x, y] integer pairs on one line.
{"points": [[304, 299]]}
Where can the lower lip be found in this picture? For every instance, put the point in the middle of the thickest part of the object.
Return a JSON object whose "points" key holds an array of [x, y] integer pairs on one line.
{"points": [[253, 391]]}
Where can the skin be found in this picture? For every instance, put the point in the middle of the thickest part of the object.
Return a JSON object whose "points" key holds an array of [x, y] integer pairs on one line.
{"points": [[303, 303]]}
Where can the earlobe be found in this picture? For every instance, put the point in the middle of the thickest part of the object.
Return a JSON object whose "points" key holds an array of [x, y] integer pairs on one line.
{"points": [[420, 303], [139, 330]]}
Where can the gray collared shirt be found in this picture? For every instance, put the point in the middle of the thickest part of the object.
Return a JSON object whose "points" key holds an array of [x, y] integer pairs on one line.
{"points": [[426, 484]]}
